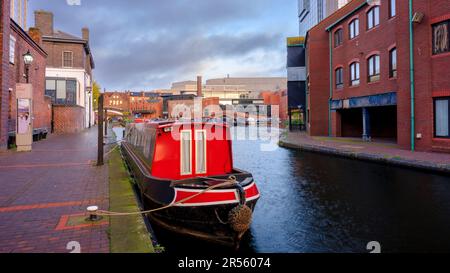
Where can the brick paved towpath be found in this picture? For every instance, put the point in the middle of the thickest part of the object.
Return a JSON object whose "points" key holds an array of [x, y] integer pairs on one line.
{"points": [[382, 152], [43, 192]]}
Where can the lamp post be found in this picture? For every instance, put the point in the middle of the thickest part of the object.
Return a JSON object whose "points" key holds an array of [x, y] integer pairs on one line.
{"points": [[28, 60]]}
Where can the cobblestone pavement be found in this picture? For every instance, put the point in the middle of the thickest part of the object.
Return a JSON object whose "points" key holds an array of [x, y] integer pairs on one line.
{"points": [[374, 151], [44, 193]]}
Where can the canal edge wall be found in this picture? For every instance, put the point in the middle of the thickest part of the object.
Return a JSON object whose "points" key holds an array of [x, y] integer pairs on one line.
{"points": [[128, 234], [377, 158]]}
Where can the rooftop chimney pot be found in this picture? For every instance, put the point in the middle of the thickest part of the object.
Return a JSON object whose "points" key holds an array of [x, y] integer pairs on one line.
{"points": [[43, 20], [85, 33], [199, 86]]}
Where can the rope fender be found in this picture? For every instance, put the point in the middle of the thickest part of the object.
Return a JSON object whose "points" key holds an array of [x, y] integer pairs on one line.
{"points": [[240, 218]]}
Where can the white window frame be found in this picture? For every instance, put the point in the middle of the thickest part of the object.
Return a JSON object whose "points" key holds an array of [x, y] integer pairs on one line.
{"points": [[373, 17], [355, 74], [393, 63], [12, 49], [197, 171], [392, 8], [63, 64], [354, 28], [373, 68], [339, 75], [181, 152], [441, 128]]}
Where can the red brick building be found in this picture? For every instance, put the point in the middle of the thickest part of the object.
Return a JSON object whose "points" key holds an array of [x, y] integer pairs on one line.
{"points": [[119, 101], [143, 104], [15, 43], [358, 67], [150, 104], [146, 104], [68, 75], [279, 98]]}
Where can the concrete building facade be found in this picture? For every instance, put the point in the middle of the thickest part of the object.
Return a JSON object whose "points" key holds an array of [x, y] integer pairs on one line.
{"points": [[359, 71], [311, 12], [230, 89]]}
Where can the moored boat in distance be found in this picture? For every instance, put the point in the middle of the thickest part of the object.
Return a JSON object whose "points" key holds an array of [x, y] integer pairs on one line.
{"points": [[188, 168]]}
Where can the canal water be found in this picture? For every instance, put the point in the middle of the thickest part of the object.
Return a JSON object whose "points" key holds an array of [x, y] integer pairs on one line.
{"points": [[318, 203]]}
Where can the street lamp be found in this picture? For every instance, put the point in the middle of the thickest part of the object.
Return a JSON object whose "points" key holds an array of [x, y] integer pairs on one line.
{"points": [[28, 60]]}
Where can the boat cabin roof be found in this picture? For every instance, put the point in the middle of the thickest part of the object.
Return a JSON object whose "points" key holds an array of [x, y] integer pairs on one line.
{"points": [[185, 150]]}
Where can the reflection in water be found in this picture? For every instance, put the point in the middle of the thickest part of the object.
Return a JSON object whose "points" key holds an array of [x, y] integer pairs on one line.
{"points": [[317, 203], [118, 131]]}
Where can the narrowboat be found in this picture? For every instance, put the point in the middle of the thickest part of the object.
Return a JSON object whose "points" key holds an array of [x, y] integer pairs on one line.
{"points": [[188, 168]]}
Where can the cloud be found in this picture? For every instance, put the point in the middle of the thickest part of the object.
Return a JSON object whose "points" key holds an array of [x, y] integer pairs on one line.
{"points": [[145, 44]]}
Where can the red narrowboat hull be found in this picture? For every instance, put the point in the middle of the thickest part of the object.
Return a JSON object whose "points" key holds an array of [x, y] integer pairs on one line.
{"points": [[205, 216]]}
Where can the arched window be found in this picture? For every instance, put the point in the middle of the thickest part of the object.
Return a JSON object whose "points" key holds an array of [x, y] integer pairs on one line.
{"points": [[373, 17], [392, 8], [353, 28], [354, 73], [339, 77], [393, 63], [338, 37], [373, 68]]}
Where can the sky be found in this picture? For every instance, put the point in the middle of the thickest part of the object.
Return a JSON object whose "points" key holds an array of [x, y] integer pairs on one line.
{"points": [[148, 44]]}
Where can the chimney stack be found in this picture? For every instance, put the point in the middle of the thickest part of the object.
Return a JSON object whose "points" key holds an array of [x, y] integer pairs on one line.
{"points": [[85, 33], [36, 35], [43, 20], [199, 86]]}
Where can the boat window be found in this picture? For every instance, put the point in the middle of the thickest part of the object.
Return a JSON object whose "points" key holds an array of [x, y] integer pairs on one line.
{"points": [[200, 151], [149, 147], [186, 152]]}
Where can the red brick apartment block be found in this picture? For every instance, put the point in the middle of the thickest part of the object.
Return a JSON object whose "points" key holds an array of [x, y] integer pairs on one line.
{"points": [[17, 40], [375, 101]]}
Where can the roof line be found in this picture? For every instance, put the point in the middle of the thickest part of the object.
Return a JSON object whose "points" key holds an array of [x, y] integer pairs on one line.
{"points": [[27, 37], [345, 16]]}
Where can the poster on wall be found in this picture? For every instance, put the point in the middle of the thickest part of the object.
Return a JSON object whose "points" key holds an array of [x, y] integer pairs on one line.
{"points": [[23, 116]]}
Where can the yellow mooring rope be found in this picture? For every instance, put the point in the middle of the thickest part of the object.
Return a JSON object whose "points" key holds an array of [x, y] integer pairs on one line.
{"points": [[227, 182]]}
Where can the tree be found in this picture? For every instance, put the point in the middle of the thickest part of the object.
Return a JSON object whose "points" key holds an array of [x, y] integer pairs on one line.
{"points": [[96, 93]]}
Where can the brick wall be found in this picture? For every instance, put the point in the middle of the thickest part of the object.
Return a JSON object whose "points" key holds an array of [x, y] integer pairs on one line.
{"points": [[117, 100], [55, 54], [4, 63], [431, 75], [41, 103], [44, 21], [172, 106], [318, 60], [431, 72], [68, 119]]}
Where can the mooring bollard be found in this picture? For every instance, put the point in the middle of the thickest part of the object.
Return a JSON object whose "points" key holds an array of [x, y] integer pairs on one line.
{"points": [[92, 211]]}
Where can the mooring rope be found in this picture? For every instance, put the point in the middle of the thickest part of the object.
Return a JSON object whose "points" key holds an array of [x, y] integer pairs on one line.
{"points": [[227, 182], [117, 144]]}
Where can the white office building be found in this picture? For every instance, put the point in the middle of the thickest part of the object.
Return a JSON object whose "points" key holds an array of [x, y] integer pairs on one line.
{"points": [[311, 12]]}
